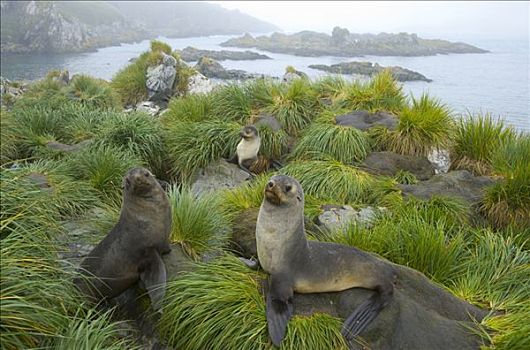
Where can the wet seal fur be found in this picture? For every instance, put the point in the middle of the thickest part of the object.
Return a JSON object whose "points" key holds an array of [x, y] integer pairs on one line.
{"points": [[132, 250], [298, 265]]}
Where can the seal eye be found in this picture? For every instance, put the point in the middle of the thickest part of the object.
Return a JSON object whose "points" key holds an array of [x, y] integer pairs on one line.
{"points": [[146, 174], [288, 188]]}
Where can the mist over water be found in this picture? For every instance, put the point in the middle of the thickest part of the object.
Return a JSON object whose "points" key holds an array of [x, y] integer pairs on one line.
{"points": [[497, 82]]}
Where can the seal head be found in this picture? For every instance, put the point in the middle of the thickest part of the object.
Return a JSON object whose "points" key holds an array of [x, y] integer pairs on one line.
{"points": [[282, 190]]}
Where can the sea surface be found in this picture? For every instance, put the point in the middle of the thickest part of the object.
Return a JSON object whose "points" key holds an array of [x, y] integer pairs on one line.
{"points": [[497, 82]]}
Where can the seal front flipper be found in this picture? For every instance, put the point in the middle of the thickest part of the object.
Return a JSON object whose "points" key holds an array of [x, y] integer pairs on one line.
{"points": [[279, 308], [365, 313], [153, 276], [250, 263]]}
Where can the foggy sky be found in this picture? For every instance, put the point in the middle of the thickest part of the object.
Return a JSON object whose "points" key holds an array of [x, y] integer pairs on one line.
{"points": [[452, 20]]}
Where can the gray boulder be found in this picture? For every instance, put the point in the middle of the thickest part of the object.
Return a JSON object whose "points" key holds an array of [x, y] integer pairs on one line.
{"points": [[365, 120], [420, 316], [460, 184], [148, 107], [216, 176], [337, 216], [213, 69], [199, 84], [160, 79], [265, 119], [389, 164], [440, 159]]}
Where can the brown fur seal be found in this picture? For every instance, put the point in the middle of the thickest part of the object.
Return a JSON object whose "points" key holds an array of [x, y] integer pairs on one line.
{"points": [[298, 265], [131, 250]]}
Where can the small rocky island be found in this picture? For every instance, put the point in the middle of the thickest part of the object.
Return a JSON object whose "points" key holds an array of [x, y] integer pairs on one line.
{"points": [[344, 43], [370, 69], [191, 54]]}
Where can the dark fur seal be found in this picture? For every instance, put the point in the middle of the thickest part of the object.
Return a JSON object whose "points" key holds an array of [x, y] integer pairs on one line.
{"points": [[298, 265], [131, 250]]}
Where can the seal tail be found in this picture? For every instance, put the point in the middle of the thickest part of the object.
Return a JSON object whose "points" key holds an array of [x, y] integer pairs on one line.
{"points": [[278, 315], [365, 314]]}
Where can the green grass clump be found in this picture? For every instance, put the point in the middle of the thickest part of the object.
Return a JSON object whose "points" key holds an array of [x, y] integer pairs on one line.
{"points": [[195, 145], [332, 180], [344, 144], [197, 223], [231, 103], [182, 78], [92, 92], [274, 144], [220, 304], [138, 134], [193, 108], [157, 45], [8, 146], [46, 93], [424, 126], [294, 105], [506, 203], [248, 195], [103, 167], [477, 138], [382, 92], [405, 177], [129, 82], [330, 87]]}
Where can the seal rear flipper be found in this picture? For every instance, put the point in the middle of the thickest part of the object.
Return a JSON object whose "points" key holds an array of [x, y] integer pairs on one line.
{"points": [[278, 315], [153, 276], [364, 315]]}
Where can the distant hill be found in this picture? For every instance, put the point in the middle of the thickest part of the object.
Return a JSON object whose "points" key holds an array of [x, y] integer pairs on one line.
{"points": [[63, 26], [185, 19]]}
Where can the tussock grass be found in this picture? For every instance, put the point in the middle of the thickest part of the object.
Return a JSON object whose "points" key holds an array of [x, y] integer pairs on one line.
{"points": [[382, 92], [424, 126], [194, 145], [477, 137], [330, 87], [294, 105], [344, 144], [157, 45], [45, 93], [129, 82], [507, 202], [405, 177], [331, 180], [274, 144], [103, 167], [138, 134], [231, 103], [248, 195], [260, 91], [8, 146], [198, 224], [220, 305], [92, 92], [193, 108]]}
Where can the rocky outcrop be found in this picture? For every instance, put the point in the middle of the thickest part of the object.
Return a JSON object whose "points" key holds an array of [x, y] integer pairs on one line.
{"points": [[337, 216], [218, 175], [460, 184], [199, 84], [160, 79], [365, 120], [53, 26], [370, 69], [192, 54], [440, 159], [389, 164], [10, 91], [346, 44], [213, 69]]}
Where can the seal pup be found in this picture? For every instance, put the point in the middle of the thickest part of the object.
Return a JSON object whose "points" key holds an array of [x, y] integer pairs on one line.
{"points": [[247, 149], [131, 251], [298, 265]]}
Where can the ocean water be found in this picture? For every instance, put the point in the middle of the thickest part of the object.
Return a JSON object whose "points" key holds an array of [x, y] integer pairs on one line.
{"points": [[497, 82]]}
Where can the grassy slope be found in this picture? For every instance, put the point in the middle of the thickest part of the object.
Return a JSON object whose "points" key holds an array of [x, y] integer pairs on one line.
{"points": [[484, 266]]}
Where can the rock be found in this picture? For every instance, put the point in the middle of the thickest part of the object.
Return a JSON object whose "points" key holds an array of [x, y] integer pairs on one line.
{"points": [[292, 75], [264, 119], [191, 54], [420, 315], [64, 148], [243, 240], [176, 261], [441, 160], [389, 164], [460, 184], [199, 84], [218, 175], [160, 79], [148, 107], [365, 120], [213, 69], [346, 44], [10, 91], [336, 216], [370, 69]]}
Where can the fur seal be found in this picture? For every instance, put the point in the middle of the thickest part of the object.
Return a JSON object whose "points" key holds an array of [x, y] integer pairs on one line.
{"points": [[298, 265], [131, 251], [247, 149]]}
